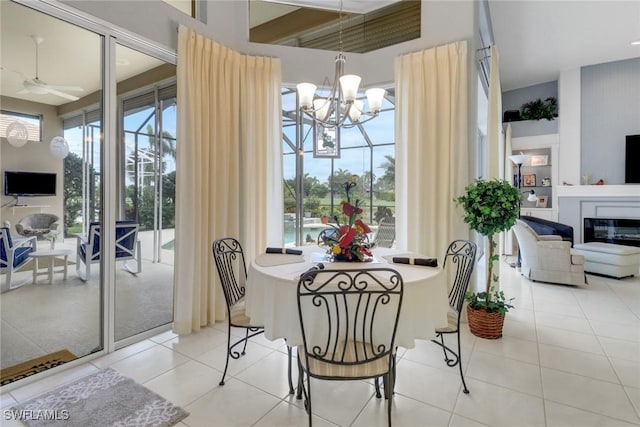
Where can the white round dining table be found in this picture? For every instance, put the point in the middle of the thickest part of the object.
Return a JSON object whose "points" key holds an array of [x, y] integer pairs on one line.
{"points": [[273, 278]]}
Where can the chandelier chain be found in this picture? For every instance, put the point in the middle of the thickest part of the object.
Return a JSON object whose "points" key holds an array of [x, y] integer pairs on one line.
{"points": [[340, 31]]}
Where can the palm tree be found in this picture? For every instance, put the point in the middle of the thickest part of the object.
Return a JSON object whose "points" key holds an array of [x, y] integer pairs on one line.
{"points": [[387, 181]]}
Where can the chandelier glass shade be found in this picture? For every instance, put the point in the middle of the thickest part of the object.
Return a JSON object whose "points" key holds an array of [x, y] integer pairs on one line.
{"points": [[340, 108]]}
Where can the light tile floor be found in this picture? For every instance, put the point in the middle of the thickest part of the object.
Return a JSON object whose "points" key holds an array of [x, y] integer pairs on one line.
{"points": [[570, 356]]}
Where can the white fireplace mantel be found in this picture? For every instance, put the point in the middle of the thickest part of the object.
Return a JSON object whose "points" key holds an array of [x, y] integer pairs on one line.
{"points": [[577, 202], [583, 191]]}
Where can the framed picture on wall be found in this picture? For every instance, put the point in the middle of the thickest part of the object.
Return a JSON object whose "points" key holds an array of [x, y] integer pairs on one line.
{"points": [[326, 142], [542, 202], [529, 180], [541, 160]]}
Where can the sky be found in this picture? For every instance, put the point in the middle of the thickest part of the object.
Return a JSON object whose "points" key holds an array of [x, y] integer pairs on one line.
{"points": [[380, 131]]}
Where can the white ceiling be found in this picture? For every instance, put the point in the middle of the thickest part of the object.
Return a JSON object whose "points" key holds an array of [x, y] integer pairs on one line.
{"points": [[537, 39], [68, 56]]}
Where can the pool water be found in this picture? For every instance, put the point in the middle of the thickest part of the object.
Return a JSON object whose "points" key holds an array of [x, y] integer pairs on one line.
{"points": [[310, 230]]}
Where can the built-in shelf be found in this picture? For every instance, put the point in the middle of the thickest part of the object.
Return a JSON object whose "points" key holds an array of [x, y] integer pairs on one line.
{"points": [[544, 167]]}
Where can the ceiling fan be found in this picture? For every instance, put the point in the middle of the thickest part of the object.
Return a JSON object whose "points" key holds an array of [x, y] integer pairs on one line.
{"points": [[38, 87]]}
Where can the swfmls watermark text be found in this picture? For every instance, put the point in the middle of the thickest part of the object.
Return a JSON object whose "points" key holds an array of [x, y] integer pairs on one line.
{"points": [[36, 414]]}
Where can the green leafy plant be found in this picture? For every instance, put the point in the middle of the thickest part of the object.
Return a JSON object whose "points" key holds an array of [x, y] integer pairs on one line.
{"points": [[539, 109], [490, 207], [496, 303]]}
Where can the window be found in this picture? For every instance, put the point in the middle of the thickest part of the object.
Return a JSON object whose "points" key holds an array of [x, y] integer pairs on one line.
{"points": [[367, 150], [33, 124]]}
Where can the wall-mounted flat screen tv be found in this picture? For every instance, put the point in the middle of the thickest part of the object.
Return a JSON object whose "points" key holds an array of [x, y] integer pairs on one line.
{"points": [[29, 183], [632, 160]]}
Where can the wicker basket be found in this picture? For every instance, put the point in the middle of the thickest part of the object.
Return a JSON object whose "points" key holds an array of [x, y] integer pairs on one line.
{"points": [[485, 325]]}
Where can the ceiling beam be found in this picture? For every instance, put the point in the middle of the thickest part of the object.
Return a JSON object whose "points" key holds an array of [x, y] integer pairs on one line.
{"points": [[288, 26]]}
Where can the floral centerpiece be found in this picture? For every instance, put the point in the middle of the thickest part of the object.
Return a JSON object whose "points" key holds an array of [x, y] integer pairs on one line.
{"points": [[348, 241]]}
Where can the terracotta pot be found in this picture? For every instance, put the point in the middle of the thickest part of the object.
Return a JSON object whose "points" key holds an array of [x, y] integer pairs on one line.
{"points": [[485, 325]]}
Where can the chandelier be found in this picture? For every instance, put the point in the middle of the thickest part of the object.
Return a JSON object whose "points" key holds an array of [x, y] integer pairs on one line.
{"points": [[341, 103]]}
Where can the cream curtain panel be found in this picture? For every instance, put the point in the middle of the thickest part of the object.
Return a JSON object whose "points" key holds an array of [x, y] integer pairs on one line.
{"points": [[496, 144], [494, 120], [431, 147], [227, 158]]}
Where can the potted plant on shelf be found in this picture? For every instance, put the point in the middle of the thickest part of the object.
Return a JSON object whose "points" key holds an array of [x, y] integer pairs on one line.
{"points": [[490, 207], [539, 109]]}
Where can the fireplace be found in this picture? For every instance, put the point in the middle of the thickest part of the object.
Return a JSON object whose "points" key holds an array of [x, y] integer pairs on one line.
{"points": [[612, 230]]}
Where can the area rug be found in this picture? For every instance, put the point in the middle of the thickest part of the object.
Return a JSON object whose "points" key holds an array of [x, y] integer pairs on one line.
{"points": [[34, 366], [105, 398]]}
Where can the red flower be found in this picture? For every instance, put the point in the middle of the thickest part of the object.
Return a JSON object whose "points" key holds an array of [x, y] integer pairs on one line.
{"points": [[348, 209], [347, 237], [362, 227]]}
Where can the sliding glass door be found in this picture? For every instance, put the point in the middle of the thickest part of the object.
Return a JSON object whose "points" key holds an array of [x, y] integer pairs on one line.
{"points": [[147, 150], [49, 319], [113, 263]]}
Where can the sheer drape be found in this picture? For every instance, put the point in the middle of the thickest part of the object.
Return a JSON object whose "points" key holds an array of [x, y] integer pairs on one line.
{"points": [[228, 128], [431, 147]]}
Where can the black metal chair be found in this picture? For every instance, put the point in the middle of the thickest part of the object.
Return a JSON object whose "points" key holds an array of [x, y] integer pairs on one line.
{"points": [[230, 263], [461, 256], [324, 234], [348, 320]]}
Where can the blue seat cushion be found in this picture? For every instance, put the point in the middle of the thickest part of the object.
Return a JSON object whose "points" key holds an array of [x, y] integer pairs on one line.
{"points": [[128, 242], [20, 255], [3, 252]]}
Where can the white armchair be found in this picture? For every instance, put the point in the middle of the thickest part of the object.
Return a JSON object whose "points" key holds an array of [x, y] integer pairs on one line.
{"points": [[548, 258]]}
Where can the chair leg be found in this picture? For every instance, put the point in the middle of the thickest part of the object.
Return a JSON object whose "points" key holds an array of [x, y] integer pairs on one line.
{"points": [[386, 385], [246, 338], [444, 349], [464, 384], [300, 380], [456, 360], [377, 384], [307, 402], [226, 365], [291, 391], [390, 380]]}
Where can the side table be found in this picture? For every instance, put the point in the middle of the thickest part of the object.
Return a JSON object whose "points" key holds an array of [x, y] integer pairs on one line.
{"points": [[50, 255]]}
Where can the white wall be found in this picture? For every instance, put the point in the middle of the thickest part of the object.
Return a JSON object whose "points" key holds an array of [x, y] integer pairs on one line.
{"points": [[32, 157], [569, 126]]}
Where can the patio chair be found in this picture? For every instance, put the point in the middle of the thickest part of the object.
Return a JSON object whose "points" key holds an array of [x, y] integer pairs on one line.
{"points": [[127, 248], [14, 255], [461, 256], [386, 234], [348, 320], [37, 224], [232, 270]]}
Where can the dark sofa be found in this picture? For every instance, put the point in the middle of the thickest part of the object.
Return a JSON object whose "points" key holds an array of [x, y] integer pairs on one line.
{"points": [[545, 227]]}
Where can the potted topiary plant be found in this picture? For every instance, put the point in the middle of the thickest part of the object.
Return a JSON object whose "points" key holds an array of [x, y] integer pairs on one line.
{"points": [[539, 109], [490, 207]]}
